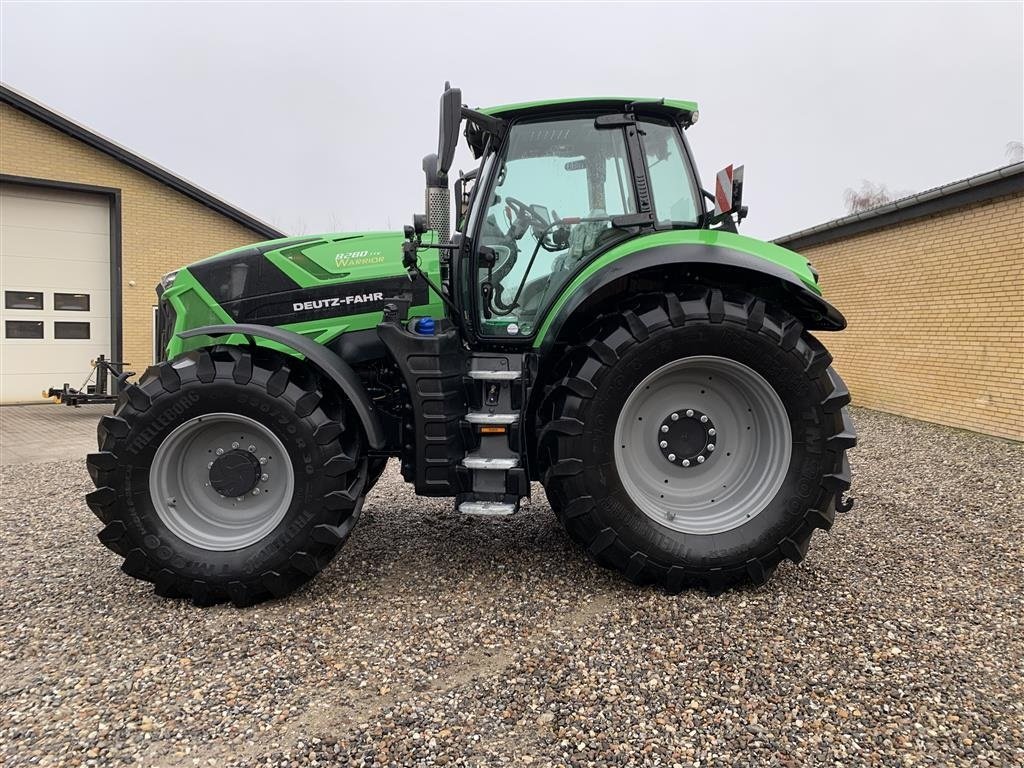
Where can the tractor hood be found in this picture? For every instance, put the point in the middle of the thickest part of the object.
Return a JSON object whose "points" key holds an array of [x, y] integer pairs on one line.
{"points": [[317, 285], [274, 282], [310, 260]]}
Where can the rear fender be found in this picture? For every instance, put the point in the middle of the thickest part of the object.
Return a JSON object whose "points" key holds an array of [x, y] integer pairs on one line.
{"points": [[329, 363], [714, 263]]}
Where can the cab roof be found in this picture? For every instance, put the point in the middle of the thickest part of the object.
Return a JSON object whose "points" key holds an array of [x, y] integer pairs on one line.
{"points": [[506, 111]]}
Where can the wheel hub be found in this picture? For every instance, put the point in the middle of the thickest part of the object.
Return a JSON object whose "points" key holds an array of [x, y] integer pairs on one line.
{"points": [[235, 473], [687, 437], [221, 481], [737, 479]]}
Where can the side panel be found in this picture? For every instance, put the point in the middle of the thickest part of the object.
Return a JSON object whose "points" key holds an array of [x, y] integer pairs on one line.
{"points": [[319, 287]]}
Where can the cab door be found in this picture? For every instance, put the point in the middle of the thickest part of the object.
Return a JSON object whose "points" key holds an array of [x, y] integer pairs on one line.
{"points": [[554, 191]]}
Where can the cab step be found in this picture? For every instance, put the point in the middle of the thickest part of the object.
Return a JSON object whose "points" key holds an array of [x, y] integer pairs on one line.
{"points": [[494, 476], [482, 417], [476, 461], [487, 508], [495, 375]]}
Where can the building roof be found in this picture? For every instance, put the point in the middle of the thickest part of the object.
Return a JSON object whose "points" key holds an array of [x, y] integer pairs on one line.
{"points": [[65, 125], [1008, 179], [508, 110]]}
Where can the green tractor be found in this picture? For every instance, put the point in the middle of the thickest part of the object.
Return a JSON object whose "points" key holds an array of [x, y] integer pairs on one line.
{"points": [[594, 323]]}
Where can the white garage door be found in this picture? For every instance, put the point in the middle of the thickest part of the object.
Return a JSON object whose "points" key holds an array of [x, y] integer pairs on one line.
{"points": [[55, 281]]}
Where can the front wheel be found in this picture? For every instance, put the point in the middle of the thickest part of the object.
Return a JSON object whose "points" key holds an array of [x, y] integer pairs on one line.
{"points": [[696, 439], [228, 474]]}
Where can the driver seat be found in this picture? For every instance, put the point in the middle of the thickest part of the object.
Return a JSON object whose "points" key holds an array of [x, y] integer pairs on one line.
{"points": [[583, 238]]}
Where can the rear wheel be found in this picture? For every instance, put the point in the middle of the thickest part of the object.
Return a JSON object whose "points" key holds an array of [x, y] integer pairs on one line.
{"points": [[696, 439], [228, 474]]}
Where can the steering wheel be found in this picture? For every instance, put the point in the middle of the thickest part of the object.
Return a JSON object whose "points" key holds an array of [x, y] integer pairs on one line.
{"points": [[526, 215]]}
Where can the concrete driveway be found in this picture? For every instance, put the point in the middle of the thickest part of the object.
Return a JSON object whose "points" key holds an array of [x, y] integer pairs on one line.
{"points": [[30, 434]]}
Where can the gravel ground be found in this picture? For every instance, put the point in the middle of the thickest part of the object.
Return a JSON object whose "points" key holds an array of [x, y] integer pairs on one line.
{"points": [[435, 640]]}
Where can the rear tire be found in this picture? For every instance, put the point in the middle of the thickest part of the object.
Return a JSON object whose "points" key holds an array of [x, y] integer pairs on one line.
{"points": [[187, 485], [716, 521]]}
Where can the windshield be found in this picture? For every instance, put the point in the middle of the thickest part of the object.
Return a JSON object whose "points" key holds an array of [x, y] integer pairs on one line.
{"points": [[556, 189]]}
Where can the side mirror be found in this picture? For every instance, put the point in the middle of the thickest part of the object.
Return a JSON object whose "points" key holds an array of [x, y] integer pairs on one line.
{"points": [[729, 192], [448, 133]]}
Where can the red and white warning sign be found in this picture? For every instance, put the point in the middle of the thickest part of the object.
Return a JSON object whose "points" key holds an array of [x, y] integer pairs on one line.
{"points": [[723, 190], [728, 184]]}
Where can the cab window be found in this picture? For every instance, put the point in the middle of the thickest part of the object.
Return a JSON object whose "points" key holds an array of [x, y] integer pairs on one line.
{"points": [[672, 183]]}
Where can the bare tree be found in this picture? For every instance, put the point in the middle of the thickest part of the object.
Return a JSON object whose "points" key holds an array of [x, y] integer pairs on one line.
{"points": [[334, 223], [870, 195], [1015, 151]]}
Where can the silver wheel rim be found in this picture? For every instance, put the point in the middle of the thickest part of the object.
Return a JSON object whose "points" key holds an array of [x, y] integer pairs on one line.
{"points": [[750, 447], [183, 490]]}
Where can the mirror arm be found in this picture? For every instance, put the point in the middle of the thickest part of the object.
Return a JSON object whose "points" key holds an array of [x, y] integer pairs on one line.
{"points": [[492, 125]]}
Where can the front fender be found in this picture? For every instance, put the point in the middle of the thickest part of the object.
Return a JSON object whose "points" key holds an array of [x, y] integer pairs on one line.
{"points": [[332, 366], [758, 264]]}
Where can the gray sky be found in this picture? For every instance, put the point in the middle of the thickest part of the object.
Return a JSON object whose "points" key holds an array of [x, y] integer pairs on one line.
{"points": [[315, 117]]}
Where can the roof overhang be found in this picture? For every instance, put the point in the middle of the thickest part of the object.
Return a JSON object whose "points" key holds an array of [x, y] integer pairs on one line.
{"points": [[509, 111], [984, 186], [671, 109]]}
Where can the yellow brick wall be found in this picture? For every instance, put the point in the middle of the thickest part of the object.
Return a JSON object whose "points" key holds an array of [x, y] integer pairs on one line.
{"points": [[936, 316], [160, 229]]}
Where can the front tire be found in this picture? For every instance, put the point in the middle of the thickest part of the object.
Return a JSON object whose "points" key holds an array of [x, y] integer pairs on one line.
{"points": [[228, 474], [696, 439]]}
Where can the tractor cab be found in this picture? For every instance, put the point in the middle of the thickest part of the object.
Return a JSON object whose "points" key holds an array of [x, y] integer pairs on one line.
{"points": [[558, 183], [560, 189]]}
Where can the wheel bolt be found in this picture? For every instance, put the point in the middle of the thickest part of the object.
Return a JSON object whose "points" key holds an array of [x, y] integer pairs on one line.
{"points": [[220, 451], [238, 498], [670, 515], [170, 502], [703, 419], [671, 457], [664, 427], [263, 459], [711, 446], [663, 444], [689, 412], [252, 449], [234, 444], [700, 459], [209, 465], [712, 432], [255, 491], [264, 477], [686, 462], [674, 417]]}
